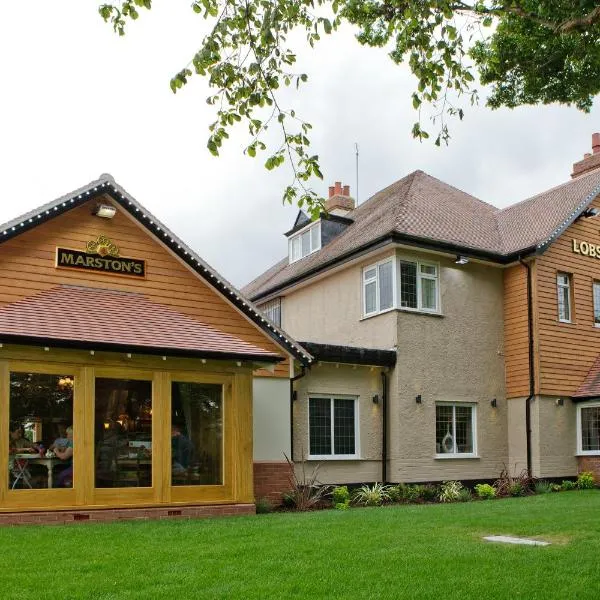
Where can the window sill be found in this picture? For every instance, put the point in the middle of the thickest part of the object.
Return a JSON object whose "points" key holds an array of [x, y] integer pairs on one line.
{"points": [[590, 453], [329, 457], [456, 456], [412, 311]]}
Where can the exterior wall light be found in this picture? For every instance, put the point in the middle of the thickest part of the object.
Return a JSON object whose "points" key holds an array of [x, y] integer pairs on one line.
{"points": [[494, 403], [106, 211], [461, 260], [560, 402], [376, 399], [418, 399]]}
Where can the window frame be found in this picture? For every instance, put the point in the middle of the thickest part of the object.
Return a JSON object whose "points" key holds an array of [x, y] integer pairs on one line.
{"points": [[376, 266], [596, 307], [473, 407], [273, 305], [332, 398], [297, 237], [580, 407], [569, 288]]}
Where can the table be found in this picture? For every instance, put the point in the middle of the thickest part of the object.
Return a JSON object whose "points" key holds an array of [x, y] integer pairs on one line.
{"points": [[49, 463]]}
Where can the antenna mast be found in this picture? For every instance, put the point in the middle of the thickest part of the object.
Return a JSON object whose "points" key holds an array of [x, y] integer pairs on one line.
{"points": [[356, 148]]}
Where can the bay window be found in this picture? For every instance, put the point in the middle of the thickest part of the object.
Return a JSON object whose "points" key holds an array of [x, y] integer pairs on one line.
{"points": [[332, 424], [455, 430]]}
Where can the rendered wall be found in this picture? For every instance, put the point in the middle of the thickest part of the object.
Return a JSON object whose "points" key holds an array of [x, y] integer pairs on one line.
{"points": [[271, 418]]}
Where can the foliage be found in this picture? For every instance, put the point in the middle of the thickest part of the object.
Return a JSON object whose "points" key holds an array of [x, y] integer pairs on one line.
{"points": [[507, 485], [397, 493], [429, 492], [464, 495], [516, 489], [567, 485], [450, 491], [485, 491], [374, 495], [306, 492], [414, 493], [263, 506], [542, 487], [556, 487], [528, 51], [585, 480], [340, 494], [342, 505]]}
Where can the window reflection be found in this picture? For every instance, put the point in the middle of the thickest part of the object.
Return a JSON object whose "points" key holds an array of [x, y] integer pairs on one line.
{"points": [[41, 434], [123, 433], [196, 434]]}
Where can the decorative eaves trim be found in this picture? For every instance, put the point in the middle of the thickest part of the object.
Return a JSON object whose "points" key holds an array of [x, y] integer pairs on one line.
{"points": [[107, 185]]}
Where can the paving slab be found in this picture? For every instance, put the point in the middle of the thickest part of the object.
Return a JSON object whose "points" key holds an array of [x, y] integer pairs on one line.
{"points": [[507, 539]]}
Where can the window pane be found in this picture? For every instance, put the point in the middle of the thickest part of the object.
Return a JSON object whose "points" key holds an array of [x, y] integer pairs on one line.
{"points": [[296, 248], [563, 279], [306, 243], [597, 303], [123, 433], [272, 310], [464, 429], [386, 289], [41, 434], [315, 236], [564, 310], [408, 285], [590, 429], [444, 436], [428, 269], [370, 297], [343, 427], [320, 426], [429, 294], [370, 274], [196, 434]]}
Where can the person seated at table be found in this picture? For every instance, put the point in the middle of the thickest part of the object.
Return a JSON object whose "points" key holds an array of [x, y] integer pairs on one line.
{"points": [[182, 450], [18, 443], [64, 451]]}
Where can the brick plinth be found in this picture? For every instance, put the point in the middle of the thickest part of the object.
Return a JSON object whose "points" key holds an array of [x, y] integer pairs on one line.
{"points": [[62, 517], [590, 463], [271, 480]]}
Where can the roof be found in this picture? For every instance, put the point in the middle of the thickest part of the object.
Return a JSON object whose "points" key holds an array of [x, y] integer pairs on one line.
{"points": [[107, 185], [590, 388], [80, 317], [423, 211], [351, 354]]}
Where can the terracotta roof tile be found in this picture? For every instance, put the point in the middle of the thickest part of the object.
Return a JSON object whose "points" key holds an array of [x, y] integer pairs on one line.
{"points": [[590, 388], [85, 317]]}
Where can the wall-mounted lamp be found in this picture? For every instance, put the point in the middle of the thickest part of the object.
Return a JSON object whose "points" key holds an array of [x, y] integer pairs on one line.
{"points": [[375, 399], [560, 402], [461, 260], [418, 399], [494, 403], [106, 211], [294, 395]]}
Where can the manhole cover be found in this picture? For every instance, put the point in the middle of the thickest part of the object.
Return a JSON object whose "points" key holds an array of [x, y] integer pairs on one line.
{"points": [[506, 539]]}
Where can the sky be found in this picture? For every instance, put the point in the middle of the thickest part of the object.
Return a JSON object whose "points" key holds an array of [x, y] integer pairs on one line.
{"points": [[78, 101]]}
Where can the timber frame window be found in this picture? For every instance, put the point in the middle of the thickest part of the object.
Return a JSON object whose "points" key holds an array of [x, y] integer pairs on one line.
{"points": [[596, 294], [588, 428], [333, 427], [563, 290], [305, 242], [455, 430]]}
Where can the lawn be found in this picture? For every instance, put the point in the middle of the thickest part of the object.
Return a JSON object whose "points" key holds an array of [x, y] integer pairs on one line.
{"points": [[429, 551]]}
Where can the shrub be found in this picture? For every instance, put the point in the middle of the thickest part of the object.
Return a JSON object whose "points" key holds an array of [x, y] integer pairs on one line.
{"points": [[343, 505], [465, 495], [374, 495], [414, 493], [340, 495], [556, 487], [543, 487], [450, 491], [429, 492], [263, 506], [585, 480], [397, 493], [485, 491], [306, 492], [567, 485], [507, 485], [516, 489]]}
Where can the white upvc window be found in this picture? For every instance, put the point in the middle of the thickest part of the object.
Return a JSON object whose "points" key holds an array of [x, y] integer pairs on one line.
{"points": [[419, 285], [596, 294], [588, 428], [563, 290], [455, 430], [379, 287], [333, 427], [272, 310], [305, 242]]}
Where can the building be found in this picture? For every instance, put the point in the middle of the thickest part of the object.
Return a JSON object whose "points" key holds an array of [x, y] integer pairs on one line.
{"points": [[452, 339], [129, 369]]}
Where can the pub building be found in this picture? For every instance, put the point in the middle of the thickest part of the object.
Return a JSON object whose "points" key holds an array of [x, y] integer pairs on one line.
{"points": [[126, 368]]}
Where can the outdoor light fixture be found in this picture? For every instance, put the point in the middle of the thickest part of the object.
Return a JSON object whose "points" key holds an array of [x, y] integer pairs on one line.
{"points": [[376, 399], [590, 212], [418, 399], [494, 403], [461, 260], [560, 402], [106, 211]]}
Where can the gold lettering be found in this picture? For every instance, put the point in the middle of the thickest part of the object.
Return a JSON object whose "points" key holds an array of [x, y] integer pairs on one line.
{"points": [[66, 259], [585, 248], [127, 267], [576, 246], [138, 269], [80, 261], [593, 250], [115, 265]]}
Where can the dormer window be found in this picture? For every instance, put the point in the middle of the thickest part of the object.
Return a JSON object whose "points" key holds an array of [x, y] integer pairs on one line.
{"points": [[305, 242]]}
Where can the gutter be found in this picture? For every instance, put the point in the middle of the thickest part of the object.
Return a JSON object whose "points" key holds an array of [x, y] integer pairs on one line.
{"points": [[531, 367]]}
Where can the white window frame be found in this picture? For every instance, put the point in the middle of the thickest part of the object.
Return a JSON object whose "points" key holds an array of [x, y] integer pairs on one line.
{"points": [[332, 456], [298, 236], [559, 287], [389, 259], [473, 407], [420, 276], [580, 450], [596, 285]]}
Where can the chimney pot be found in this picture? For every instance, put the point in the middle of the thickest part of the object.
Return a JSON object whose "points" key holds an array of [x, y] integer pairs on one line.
{"points": [[331, 191], [338, 188], [587, 155], [346, 191], [596, 143]]}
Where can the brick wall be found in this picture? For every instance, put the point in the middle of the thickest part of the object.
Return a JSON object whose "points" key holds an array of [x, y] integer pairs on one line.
{"points": [[590, 463], [62, 517], [271, 480]]}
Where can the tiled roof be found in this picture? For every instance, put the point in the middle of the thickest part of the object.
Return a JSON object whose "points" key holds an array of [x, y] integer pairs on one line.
{"points": [[83, 317], [107, 185], [422, 210], [590, 388]]}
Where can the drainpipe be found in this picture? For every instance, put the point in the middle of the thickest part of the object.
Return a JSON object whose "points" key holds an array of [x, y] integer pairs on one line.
{"points": [[531, 367], [292, 380], [384, 440]]}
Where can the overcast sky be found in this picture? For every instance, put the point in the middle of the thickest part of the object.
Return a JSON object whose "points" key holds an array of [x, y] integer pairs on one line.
{"points": [[78, 101]]}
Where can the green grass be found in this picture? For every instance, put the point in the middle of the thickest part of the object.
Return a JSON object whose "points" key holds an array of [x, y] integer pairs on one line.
{"points": [[431, 551]]}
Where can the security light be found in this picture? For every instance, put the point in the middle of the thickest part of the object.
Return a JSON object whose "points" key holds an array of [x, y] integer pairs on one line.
{"points": [[106, 211], [461, 260]]}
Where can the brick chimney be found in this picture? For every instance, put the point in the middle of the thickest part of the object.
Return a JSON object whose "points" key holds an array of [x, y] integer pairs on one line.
{"points": [[590, 161], [339, 202]]}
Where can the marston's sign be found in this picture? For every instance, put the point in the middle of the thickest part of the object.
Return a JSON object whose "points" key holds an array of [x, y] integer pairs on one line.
{"points": [[100, 255], [586, 248]]}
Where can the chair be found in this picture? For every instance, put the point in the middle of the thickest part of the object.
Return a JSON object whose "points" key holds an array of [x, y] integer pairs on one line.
{"points": [[20, 472]]}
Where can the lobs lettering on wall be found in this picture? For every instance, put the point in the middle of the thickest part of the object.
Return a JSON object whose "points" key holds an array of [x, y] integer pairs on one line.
{"points": [[586, 248], [100, 255]]}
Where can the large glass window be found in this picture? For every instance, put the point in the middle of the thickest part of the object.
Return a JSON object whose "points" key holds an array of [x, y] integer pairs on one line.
{"points": [[589, 429], [563, 288], [418, 286], [123, 433], [332, 427], [305, 243], [378, 287], [454, 429], [196, 434], [40, 443]]}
